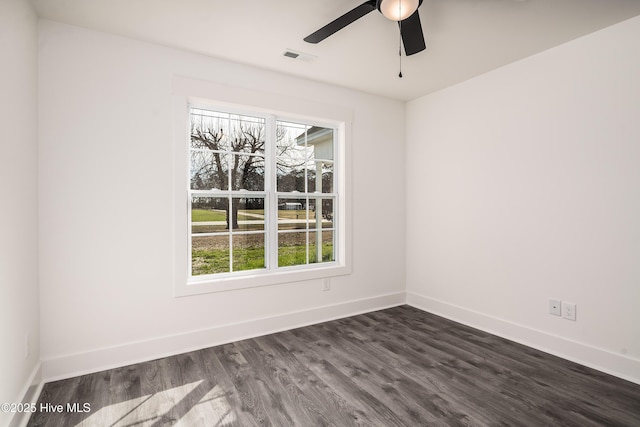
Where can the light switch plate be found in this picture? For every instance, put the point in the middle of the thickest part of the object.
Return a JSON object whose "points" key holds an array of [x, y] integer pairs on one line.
{"points": [[569, 310]]}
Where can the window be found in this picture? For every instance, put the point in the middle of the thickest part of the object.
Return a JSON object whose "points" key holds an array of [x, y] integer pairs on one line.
{"points": [[265, 198]]}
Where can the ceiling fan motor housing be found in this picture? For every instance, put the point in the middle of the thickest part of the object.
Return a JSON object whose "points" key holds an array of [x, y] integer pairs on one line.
{"points": [[389, 8], [410, 26]]}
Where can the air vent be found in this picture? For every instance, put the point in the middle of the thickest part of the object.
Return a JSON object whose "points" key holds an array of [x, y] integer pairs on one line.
{"points": [[299, 56]]}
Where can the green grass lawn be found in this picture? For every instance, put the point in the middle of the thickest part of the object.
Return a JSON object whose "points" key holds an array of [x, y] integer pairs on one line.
{"points": [[296, 255], [217, 260], [201, 215]]}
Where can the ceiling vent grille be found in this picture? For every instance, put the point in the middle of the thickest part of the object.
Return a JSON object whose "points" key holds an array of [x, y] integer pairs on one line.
{"points": [[299, 56]]}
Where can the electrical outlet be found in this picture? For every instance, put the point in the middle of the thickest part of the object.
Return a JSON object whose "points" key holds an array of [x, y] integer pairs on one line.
{"points": [[326, 284], [569, 310], [554, 307]]}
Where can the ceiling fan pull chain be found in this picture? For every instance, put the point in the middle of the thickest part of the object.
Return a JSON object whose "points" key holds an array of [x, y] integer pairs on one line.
{"points": [[400, 48]]}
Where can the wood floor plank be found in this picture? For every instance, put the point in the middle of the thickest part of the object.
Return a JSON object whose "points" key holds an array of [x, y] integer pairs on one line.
{"points": [[290, 399], [239, 371], [394, 367], [375, 411], [318, 396], [227, 398]]}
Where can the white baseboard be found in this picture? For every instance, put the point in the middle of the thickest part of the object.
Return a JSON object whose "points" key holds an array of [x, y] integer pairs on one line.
{"points": [[107, 358], [30, 394], [112, 357], [584, 354]]}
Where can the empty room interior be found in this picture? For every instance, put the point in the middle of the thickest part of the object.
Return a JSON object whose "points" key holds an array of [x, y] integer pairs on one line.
{"points": [[320, 213]]}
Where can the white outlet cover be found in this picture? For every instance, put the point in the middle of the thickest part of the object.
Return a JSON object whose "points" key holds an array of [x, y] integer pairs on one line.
{"points": [[555, 307]]}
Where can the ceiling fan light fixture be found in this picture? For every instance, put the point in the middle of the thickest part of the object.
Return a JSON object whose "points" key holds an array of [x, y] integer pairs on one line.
{"points": [[398, 10]]}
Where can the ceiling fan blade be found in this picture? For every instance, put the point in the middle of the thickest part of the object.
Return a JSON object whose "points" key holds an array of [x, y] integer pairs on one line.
{"points": [[341, 22], [412, 37]]}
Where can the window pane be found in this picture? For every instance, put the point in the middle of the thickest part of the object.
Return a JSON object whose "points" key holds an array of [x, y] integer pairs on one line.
{"points": [[290, 138], [326, 247], [292, 249], [328, 252], [249, 212], [320, 213], [247, 172], [320, 158], [292, 214], [209, 170], [327, 177], [209, 214], [214, 130], [321, 140], [290, 177], [209, 129], [327, 213], [314, 170], [209, 254], [291, 156], [248, 251], [246, 134]]}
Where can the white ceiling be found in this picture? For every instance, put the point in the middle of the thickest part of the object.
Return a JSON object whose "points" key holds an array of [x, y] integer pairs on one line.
{"points": [[464, 38]]}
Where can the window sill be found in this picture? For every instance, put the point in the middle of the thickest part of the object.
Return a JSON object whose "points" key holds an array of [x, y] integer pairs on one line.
{"points": [[197, 286]]}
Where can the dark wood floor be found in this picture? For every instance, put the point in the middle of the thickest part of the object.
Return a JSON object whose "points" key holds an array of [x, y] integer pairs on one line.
{"points": [[395, 367]]}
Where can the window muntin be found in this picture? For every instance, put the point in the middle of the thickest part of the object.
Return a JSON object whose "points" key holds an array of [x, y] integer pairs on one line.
{"points": [[255, 183]]}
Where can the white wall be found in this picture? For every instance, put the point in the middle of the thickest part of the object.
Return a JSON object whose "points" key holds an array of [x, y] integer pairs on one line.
{"points": [[19, 211], [106, 201], [524, 184]]}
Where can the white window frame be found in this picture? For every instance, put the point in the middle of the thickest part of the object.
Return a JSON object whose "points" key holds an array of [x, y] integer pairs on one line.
{"points": [[200, 94]]}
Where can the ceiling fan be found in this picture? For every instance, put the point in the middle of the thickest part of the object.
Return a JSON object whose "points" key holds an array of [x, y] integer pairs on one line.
{"points": [[405, 12]]}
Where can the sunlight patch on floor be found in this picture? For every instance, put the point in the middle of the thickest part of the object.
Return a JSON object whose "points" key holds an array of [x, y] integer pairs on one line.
{"points": [[212, 409], [177, 404]]}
